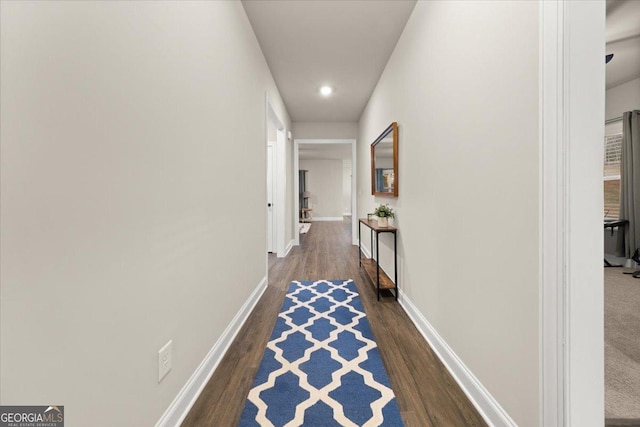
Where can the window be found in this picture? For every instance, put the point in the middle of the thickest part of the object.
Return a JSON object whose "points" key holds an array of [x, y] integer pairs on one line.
{"points": [[612, 156]]}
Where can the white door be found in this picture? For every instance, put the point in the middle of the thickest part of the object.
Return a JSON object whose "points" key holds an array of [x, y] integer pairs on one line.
{"points": [[271, 228]]}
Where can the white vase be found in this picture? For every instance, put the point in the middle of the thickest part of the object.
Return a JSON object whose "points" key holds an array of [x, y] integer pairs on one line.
{"points": [[383, 222]]}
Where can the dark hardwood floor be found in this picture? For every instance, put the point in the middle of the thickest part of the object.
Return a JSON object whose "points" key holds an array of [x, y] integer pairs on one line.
{"points": [[426, 393]]}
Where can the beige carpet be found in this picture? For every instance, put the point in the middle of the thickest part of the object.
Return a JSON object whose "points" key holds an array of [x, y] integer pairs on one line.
{"points": [[621, 345]]}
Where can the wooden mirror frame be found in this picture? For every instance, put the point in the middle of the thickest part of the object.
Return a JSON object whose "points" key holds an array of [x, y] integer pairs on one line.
{"points": [[393, 127]]}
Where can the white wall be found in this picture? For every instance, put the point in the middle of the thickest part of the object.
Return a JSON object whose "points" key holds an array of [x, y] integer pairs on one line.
{"points": [[322, 130], [346, 186], [465, 96], [324, 182], [132, 197], [619, 99]]}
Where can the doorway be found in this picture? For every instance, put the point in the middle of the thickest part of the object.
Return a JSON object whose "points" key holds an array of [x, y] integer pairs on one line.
{"points": [[621, 291], [276, 181], [271, 217], [342, 152]]}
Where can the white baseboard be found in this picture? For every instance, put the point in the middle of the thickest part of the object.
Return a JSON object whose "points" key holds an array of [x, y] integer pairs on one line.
{"points": [[486, 405], [289, 247], [328, 218], [181, 405], [366, 252]]}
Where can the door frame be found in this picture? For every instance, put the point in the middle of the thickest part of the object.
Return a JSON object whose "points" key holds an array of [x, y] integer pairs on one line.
{"points": [[572, 35], [280, 175], [296, 184], [271, 176]]}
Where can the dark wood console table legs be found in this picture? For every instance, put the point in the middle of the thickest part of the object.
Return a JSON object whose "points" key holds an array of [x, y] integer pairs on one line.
{"points": [[371, 265]]}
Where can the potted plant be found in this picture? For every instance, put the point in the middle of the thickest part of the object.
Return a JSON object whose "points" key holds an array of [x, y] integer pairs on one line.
{"points": [[384, 212]]}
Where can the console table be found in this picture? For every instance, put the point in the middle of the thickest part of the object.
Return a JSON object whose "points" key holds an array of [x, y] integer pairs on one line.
{"points": [[371, 266]]}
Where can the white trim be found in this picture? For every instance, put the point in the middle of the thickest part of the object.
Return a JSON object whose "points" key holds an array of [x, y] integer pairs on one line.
{"points": [[553, 194], [572, 91], [612, 178], [479, 396], [354, 193], [296, 193], [289, 246], [583, 114], [280, 182], [328, 218], [271, 225], [281, 189], [179, 408], [296, 183], [366, 252]]}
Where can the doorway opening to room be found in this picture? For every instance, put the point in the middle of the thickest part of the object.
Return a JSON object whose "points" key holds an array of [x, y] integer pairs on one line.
{"points": [[621, 291], [324, 183]]}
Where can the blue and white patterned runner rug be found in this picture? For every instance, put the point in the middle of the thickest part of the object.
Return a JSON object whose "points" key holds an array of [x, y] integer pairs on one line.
{"points": [[321, 366]]}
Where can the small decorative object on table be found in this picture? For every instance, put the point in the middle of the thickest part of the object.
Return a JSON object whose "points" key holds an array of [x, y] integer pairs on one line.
{"points": [[384, 212]]}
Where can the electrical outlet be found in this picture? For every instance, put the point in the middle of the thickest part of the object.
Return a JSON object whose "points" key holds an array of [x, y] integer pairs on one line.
{"points": [[165, 360]]}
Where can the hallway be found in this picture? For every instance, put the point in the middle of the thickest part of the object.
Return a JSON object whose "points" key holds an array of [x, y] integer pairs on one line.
{"points": [[133, 160], [427, 395]]}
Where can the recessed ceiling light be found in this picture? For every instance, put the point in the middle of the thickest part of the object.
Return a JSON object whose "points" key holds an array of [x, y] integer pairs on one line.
{"points": [[326, 90]]}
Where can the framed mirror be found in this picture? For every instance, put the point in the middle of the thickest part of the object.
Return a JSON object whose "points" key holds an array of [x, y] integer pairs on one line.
{"points": [[384, 163]]}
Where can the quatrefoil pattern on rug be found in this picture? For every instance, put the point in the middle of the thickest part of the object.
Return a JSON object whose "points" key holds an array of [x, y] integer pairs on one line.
{"points": [[321, 366]]}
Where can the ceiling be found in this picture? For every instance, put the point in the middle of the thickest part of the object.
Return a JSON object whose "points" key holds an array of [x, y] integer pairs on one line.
{"points": [[345, 44], [623, 40]]}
